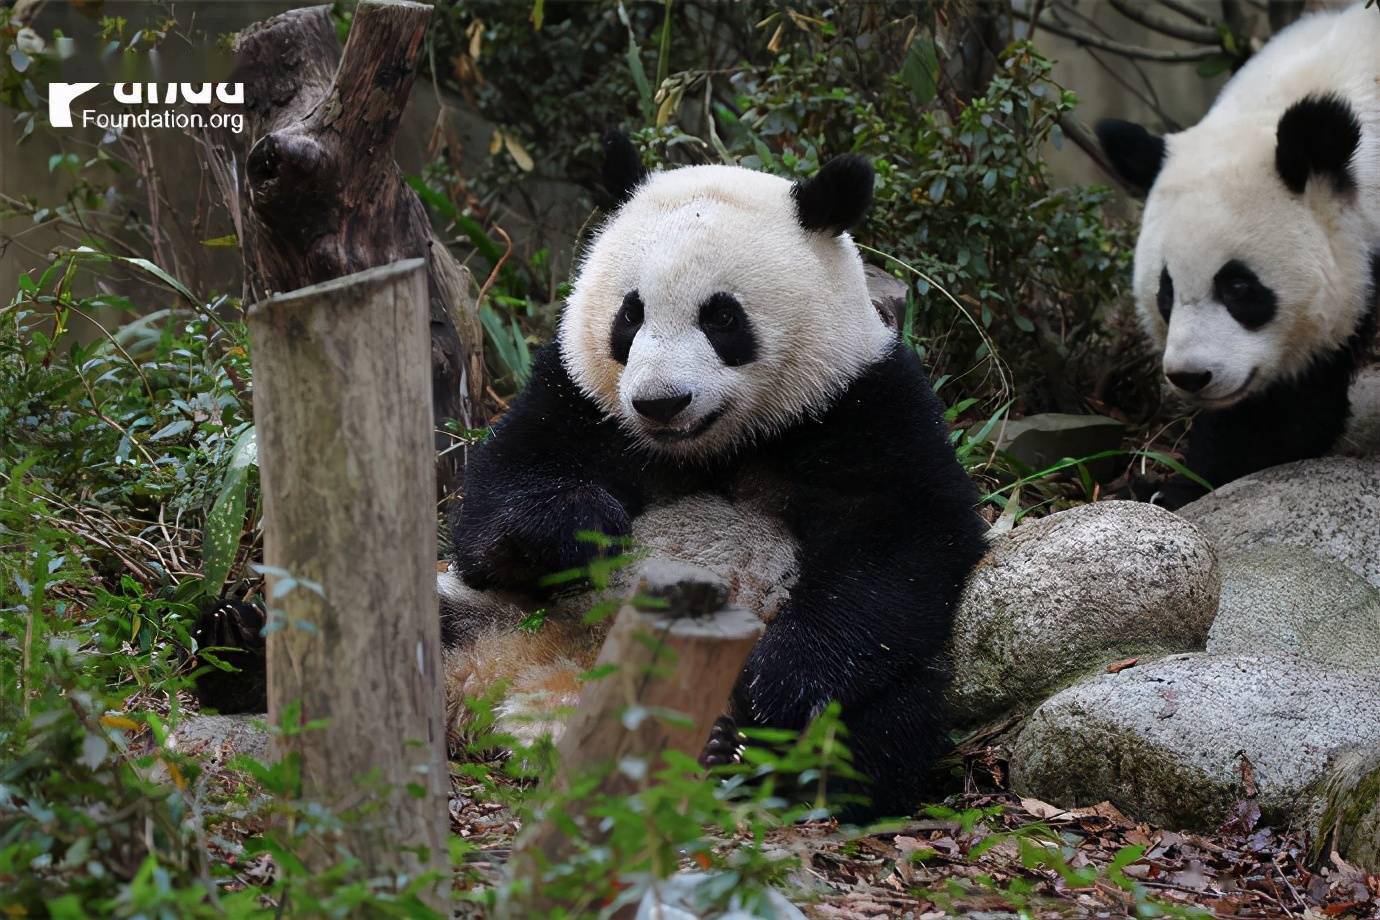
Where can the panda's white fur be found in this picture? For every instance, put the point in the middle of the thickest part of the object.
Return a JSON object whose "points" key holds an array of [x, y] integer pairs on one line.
{"points": [[690, 233], [1217, 197]]}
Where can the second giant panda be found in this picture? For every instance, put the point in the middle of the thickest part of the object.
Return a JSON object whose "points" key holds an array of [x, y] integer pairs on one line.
{"points": [[1258, 263], [719, 363]]}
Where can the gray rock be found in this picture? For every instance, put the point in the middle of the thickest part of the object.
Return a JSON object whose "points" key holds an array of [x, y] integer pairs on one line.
{"points": [[1362, 437], [1064, 596], [1352, 814], [1161, 740], [1288, 601], [1330, 505], [219, 738], [1042, 440]]}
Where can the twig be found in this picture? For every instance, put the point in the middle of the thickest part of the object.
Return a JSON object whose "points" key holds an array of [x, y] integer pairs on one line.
{"points": [[118, 347], [1130, 51], [498, 266], [1184, 8], [1139, 12], [96, 407]]}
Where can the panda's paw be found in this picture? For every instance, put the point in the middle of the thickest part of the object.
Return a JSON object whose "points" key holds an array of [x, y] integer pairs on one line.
{"points": [[553, 534], [725, 744], [232, 631]]}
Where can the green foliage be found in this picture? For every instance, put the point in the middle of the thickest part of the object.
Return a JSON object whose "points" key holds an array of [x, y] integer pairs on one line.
{"points": [[143, 421], [1017, 282], [1005, 266]]}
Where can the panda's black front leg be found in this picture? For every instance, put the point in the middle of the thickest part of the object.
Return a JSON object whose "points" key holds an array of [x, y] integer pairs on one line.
{"points": [[553, 470], [725, 744], [872, 637], [885, 520]]}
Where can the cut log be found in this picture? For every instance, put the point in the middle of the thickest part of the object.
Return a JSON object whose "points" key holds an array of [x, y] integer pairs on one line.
{"points": [[675, 648], [323, 196], [342, 405]]}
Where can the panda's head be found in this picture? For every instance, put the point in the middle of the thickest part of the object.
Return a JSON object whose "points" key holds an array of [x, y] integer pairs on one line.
{"points": [[1250, 262], [719, 304]]}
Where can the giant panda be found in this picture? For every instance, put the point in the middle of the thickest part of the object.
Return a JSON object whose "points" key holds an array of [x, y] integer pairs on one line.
{"points": [[722, 388], [1258, 262]]}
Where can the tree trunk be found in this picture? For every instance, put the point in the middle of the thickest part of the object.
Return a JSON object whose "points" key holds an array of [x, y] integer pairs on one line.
{"points": [[323, 195], [682, 656], [341, 401]]}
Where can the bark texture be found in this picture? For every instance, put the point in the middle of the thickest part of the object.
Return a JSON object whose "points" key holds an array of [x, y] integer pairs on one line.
{"points": [[323, 195], [666, 659], [341, 401]]}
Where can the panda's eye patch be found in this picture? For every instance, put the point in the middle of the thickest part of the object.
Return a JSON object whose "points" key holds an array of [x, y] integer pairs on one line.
{"points": [[625, 326], [725, 324], [630, 314], [720, 312], [1164, 299], [1246, 298]]}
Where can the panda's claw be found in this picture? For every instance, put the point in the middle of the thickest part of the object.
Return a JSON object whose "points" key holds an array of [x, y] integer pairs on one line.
{"points": [[235, 630], [725, 744]]}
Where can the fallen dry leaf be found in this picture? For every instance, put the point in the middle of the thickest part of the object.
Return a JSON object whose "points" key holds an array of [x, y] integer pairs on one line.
{"points": [[1116, 667]]}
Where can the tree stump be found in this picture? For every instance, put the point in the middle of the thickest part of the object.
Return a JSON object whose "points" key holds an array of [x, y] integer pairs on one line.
{"points": [[323, 196], [677, 648], [341, 400]]}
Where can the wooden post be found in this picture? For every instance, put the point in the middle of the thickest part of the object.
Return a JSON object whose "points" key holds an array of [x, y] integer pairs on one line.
{"points": [[342, 404], [322, 195], [676, 647]]}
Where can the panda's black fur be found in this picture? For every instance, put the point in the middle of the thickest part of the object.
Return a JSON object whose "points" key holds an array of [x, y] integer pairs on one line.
{"points": [[882, 511], [865, 481]]}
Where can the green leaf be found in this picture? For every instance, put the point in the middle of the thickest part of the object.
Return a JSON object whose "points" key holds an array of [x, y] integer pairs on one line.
{"points": [[229, 241], [639, 73], [920, 72], [1212, 66], [172, 429], [87, 254], [221, 540], [468, 225]]}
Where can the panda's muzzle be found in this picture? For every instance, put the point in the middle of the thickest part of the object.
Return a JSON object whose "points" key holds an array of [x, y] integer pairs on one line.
{"points": [[664, 409], [673, 435]]}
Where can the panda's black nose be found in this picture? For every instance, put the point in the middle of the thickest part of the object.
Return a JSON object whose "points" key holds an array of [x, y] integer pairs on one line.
{"points": [[662, 410], [1190, 381]]}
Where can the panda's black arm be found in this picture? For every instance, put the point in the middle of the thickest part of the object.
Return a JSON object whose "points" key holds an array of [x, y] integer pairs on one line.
{"points": [[888, 534], [552, 468]]}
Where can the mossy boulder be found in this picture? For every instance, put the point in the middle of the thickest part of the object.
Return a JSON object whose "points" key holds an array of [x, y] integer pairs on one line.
{"points": [[1064, 596], [1330, 506], [1351, 819], [1165, 741], [1279, 599]]}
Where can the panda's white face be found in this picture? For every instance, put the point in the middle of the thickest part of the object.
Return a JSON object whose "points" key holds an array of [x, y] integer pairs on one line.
{"points": [[1243, 281], [704, 315]]}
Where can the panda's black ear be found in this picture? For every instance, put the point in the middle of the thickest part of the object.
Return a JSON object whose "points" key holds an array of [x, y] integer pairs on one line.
{"points": [[1134, 152], [836, 197], [623, 171], [1317, 136]]}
